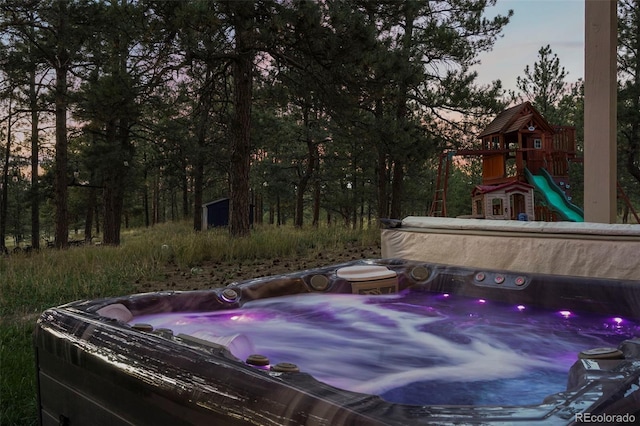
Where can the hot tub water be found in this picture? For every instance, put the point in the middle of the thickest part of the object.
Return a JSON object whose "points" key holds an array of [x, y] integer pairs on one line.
{"points": [[413, 347]]}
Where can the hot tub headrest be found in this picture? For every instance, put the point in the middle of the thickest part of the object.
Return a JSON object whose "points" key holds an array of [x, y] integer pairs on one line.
{"points": [[365, 273], [370, 279]]}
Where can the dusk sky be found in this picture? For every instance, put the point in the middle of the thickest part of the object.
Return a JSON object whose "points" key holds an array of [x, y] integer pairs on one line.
{"points": [[534, 24]]}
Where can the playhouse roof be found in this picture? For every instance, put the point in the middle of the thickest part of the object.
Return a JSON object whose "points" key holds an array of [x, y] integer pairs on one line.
{"points": [[514, 118], [505, 187]]}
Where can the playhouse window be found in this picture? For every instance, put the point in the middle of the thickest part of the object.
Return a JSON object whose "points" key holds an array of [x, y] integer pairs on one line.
{"points": [[495, 142], [537, 143], [496, 206], [479, 207]]}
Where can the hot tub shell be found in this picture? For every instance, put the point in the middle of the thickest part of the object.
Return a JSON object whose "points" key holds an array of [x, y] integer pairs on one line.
{"points": [[100, 370]]}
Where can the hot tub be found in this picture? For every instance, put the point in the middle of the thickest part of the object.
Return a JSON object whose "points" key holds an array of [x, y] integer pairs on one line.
{"points": [[371, 342]]}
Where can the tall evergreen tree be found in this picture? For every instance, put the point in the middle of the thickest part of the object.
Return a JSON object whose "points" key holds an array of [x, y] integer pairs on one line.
{"points": [[6, 160], [25, 72], [629, 85], [243, 16], [559, 102], [434, 44], [545, 85], [130, 57], [57, 30], [208, 50]]}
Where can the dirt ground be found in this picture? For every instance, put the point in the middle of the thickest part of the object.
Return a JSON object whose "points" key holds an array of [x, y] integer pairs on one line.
{"points": [[220, 274]]}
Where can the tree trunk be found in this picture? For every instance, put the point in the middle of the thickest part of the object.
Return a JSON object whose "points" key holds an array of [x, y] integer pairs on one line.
{"points": [[5, 182], [381, 169], [312, 156], [316, 203], [61, 161], [243, 22], [397, 183], [155, 208], [91, 206], [202, 131], [61, 65], [258, 210], [271, 214], [185, 194], [114, 185], [354, 198], [35, 203], [198, 177], [278, 211], [383, 203], [173, 206], [96, 215], [112, 210], [396, 190], [362, 191], [145, 198]]}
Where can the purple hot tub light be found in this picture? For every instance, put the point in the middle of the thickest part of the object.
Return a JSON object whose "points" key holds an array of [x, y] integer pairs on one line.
{"points": [[373, 342]]}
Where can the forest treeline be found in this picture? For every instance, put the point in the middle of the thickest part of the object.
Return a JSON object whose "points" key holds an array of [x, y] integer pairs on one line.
{"points": [[133, 112]]}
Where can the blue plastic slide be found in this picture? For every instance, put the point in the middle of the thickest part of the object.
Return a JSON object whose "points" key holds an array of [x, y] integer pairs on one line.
{"points": [[554, 196]]}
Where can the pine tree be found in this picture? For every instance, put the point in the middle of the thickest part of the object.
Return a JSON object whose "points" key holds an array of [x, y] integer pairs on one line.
{"points": [[130, 57], [434, 45], [629, 85], [544, 86], [56, 31]]}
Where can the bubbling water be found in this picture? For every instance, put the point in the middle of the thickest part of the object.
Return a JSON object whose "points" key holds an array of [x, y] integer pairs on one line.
{"points": [[413, 347]]}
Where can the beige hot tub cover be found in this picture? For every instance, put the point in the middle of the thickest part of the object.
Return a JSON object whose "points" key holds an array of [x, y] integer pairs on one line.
{"points": [[564, 248]]}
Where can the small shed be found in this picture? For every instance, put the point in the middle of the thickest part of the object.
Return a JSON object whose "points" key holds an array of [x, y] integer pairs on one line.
{"points": [[511, 201], [216, 213]]}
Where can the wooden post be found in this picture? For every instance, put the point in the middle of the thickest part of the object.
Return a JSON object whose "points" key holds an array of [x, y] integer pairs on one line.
{"points": [[600, 111]]}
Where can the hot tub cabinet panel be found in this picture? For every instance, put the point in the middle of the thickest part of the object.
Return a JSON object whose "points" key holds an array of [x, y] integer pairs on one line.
{"points": [[97, 369]]}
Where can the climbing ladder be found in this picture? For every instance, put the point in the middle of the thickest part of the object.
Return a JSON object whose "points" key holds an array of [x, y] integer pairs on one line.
{"points": [[439, 203]]}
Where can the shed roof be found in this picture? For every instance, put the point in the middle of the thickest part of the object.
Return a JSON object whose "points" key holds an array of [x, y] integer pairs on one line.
{"points": [[218, 201]]}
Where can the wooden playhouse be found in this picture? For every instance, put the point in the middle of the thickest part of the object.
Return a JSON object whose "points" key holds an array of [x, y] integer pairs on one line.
{"points": [[522, 155]]}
